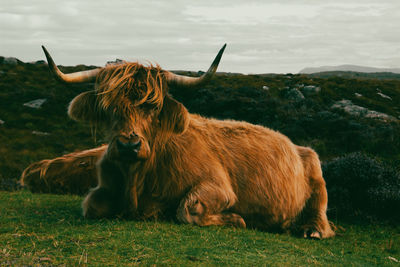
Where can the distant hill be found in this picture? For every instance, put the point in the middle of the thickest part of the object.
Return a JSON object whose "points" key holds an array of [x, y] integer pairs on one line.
{"points": [[353, 68], [356, 75]]}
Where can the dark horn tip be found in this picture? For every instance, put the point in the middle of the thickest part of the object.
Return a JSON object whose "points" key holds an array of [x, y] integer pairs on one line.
{"points": [[214, 65], [44, 50], [221, 50], [48, 57]]}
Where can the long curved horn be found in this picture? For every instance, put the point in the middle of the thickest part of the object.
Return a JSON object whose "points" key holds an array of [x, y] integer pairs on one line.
{"points": [[185, 81], [76, 77]]}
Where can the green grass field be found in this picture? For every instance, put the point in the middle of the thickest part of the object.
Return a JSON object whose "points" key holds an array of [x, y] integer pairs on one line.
{"points": [[49, 230]]}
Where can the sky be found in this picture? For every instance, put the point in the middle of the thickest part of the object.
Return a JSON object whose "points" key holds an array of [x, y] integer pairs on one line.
{"points": [[274, 36]]}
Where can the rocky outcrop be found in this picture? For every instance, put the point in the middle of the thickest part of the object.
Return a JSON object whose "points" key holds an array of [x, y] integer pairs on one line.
{"points": [[352, 109], [37, 103], [40, 133], [115, 62], [384, 96], [310, 90], [294, 94]]}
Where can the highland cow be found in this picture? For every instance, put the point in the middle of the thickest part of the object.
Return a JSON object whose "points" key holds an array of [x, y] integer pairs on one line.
{"points": [[162, 161]]}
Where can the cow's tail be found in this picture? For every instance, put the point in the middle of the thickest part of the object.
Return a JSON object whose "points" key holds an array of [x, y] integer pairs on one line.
{"points": [[73, 173]]}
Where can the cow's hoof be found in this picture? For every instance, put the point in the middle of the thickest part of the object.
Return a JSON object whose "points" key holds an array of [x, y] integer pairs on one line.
{"points": [[236, 220], [240, 223], [312, 234]]}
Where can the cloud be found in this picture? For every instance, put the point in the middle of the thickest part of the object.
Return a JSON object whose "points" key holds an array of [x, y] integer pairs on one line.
{"points": [[273, 36]]}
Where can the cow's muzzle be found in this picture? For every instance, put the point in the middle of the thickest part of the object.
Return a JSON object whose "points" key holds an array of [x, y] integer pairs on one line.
{"points": [[131, 143], [128, 147]]}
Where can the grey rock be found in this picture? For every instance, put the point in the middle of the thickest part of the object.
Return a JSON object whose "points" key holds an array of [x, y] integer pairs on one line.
{"points": [[350, 108], [37, 103], [310, 89], [40, 133], [359, 111], [378, 115], [115, 62], [358, 95], [2, 122], [266, 88], [294, 94], [384, 96]]}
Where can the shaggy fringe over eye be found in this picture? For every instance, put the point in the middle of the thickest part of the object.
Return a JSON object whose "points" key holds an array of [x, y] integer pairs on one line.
{"points": [[121, 88]]}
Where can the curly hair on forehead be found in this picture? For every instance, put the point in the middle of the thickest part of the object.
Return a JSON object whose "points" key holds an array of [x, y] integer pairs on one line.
{"points": [[122, 87]]}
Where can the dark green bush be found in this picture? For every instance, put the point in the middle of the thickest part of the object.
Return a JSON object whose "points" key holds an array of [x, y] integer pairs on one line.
{"points": [[359, 185]]}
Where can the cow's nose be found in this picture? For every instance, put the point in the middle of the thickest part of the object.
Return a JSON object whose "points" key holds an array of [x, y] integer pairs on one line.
{"points": [[132, 143], [135, 145]]}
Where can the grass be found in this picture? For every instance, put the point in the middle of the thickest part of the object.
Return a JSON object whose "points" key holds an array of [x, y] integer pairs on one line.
{"points": [[49, 230]]}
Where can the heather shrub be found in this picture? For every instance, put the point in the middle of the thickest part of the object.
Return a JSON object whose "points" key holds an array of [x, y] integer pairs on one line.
{"points": [[359, 185]]}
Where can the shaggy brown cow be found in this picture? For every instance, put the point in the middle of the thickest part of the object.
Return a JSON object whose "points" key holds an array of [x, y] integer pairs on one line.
{"points": [[162, 160]]}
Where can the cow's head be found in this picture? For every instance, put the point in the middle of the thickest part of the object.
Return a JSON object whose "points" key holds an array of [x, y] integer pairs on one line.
{"points": [[131, 103]]}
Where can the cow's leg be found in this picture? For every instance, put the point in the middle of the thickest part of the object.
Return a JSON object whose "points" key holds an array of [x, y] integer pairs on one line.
{"points": [[112, 195], [207, 204], [109, 197], [101, 203], [315, 222]]}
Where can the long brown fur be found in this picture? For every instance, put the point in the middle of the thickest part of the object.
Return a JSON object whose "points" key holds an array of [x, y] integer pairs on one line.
{"points": [[198, 170], [124, 87], [73, 173]]}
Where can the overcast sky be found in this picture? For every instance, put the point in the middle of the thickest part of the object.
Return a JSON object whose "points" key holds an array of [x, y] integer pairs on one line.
{"points": [[262, 36]]}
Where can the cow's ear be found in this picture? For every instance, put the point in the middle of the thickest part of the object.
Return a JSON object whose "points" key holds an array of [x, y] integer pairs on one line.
{"points": [[83, 107], [174, 117]]}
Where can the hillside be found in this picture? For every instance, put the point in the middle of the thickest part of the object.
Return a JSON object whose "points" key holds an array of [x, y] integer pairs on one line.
{"points": [[336, 116]]}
